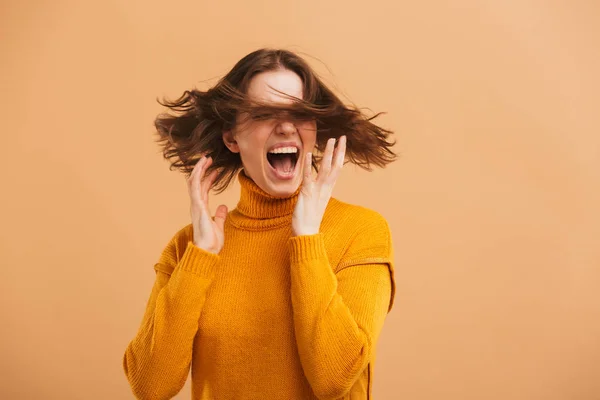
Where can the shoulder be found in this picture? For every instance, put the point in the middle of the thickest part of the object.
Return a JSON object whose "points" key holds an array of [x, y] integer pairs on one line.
{"points": [[359, 232], [356, 218], [357, 236]]}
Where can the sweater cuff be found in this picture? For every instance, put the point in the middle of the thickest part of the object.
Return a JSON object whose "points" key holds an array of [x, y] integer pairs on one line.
{"points": [[198, 261], [306, 247]]}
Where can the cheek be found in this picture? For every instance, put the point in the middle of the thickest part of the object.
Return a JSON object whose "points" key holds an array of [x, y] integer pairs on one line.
{"points": [[253, 142], [308, 133], [260, 135]]}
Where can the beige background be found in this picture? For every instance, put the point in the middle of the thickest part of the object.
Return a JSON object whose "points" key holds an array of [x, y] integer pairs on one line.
{"points": [[493, 205]]}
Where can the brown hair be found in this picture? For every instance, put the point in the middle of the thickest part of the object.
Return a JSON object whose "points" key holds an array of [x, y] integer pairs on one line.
{"points": [[204, 115]]}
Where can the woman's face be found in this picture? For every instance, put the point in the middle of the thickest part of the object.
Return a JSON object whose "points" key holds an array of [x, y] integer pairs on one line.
{"points": [[277, 174]]}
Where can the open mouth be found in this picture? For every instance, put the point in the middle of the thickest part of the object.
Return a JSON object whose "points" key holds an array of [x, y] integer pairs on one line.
{"points": [[283, 163]]}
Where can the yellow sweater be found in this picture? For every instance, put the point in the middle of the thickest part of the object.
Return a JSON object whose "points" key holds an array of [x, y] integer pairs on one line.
{"points": [[271, 316]]}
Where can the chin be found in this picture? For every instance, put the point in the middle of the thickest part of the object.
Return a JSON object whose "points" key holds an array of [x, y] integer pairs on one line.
{"points": [[288, 190], [282, 188]]}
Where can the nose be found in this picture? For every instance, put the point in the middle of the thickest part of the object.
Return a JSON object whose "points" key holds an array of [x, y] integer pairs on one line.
{"points": [[286, 128]]}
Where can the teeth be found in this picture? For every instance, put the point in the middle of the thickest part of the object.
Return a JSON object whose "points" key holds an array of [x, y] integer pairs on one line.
{"points": [[284, 150]]}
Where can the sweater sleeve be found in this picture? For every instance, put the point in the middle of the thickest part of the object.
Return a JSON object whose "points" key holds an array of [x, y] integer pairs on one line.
{"points": [[338, 316], [157, 360]]}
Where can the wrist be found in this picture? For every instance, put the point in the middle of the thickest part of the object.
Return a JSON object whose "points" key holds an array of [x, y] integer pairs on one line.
{"points": [[305, 232], [206, 248]]}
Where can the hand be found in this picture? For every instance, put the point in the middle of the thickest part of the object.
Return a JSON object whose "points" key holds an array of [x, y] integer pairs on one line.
{"points": [[208, 233], [315, 194]]}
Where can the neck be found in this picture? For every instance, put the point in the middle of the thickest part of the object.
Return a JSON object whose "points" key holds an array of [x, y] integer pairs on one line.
{"points": [[259, 209]]}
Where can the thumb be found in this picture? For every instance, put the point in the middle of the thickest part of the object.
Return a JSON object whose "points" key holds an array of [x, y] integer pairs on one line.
{"points": [[220, 216]]}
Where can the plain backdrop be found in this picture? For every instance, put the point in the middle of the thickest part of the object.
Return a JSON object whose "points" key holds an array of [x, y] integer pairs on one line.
{"points": [[493, 204]]}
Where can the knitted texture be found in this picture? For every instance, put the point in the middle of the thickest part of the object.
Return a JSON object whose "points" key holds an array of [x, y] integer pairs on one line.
{"points": [[272, 316]]}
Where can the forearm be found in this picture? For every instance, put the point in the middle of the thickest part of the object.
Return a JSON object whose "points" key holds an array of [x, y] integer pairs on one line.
{"points": [[156, 362], [335, 341]]}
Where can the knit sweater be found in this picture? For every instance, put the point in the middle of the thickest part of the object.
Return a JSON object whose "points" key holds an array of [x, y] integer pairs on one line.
{"points": [[272, 316]]}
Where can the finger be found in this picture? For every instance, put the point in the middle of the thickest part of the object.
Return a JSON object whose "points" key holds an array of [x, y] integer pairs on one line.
{"points": [[196, 181], [192, 182], [307, 168], [207, 185], [325, 166], [203, 177], [220, 216], [338, 163], [198, 165], [197, 168]]}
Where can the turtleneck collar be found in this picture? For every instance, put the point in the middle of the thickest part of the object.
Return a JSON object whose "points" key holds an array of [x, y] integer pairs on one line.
{"points": [[258, 210]]}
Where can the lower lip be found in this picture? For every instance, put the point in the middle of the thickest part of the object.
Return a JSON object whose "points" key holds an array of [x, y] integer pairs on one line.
{"points": [[281, 176]]}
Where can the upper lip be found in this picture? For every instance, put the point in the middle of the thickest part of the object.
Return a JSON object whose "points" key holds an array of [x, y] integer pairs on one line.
{"points": [[284, 144]]}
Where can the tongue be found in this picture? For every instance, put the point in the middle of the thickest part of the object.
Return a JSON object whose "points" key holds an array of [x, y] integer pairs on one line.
{"points": [[283, 164]]}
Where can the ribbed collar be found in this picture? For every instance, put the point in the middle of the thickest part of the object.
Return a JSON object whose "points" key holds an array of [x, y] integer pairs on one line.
{"points": [[258, 210]]}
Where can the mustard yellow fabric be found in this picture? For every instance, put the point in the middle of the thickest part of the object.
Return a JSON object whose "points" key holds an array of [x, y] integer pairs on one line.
{"points": [[271, 316]]}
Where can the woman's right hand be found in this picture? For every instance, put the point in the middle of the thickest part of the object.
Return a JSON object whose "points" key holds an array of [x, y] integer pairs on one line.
{"points": [[208, 233]]}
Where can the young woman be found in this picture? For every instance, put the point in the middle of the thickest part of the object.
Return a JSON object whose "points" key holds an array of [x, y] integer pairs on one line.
{"points": [[283, 297]]}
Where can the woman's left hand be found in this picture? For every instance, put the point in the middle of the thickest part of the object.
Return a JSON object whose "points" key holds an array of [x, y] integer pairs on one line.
{"points": [[315, 193]]}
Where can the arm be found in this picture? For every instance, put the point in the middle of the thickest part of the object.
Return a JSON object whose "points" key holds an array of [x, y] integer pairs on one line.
{"points": [[338, 317], [157, 361]]}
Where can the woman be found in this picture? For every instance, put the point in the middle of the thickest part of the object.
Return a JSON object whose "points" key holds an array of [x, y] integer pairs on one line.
{"points": [[285, 296]]}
